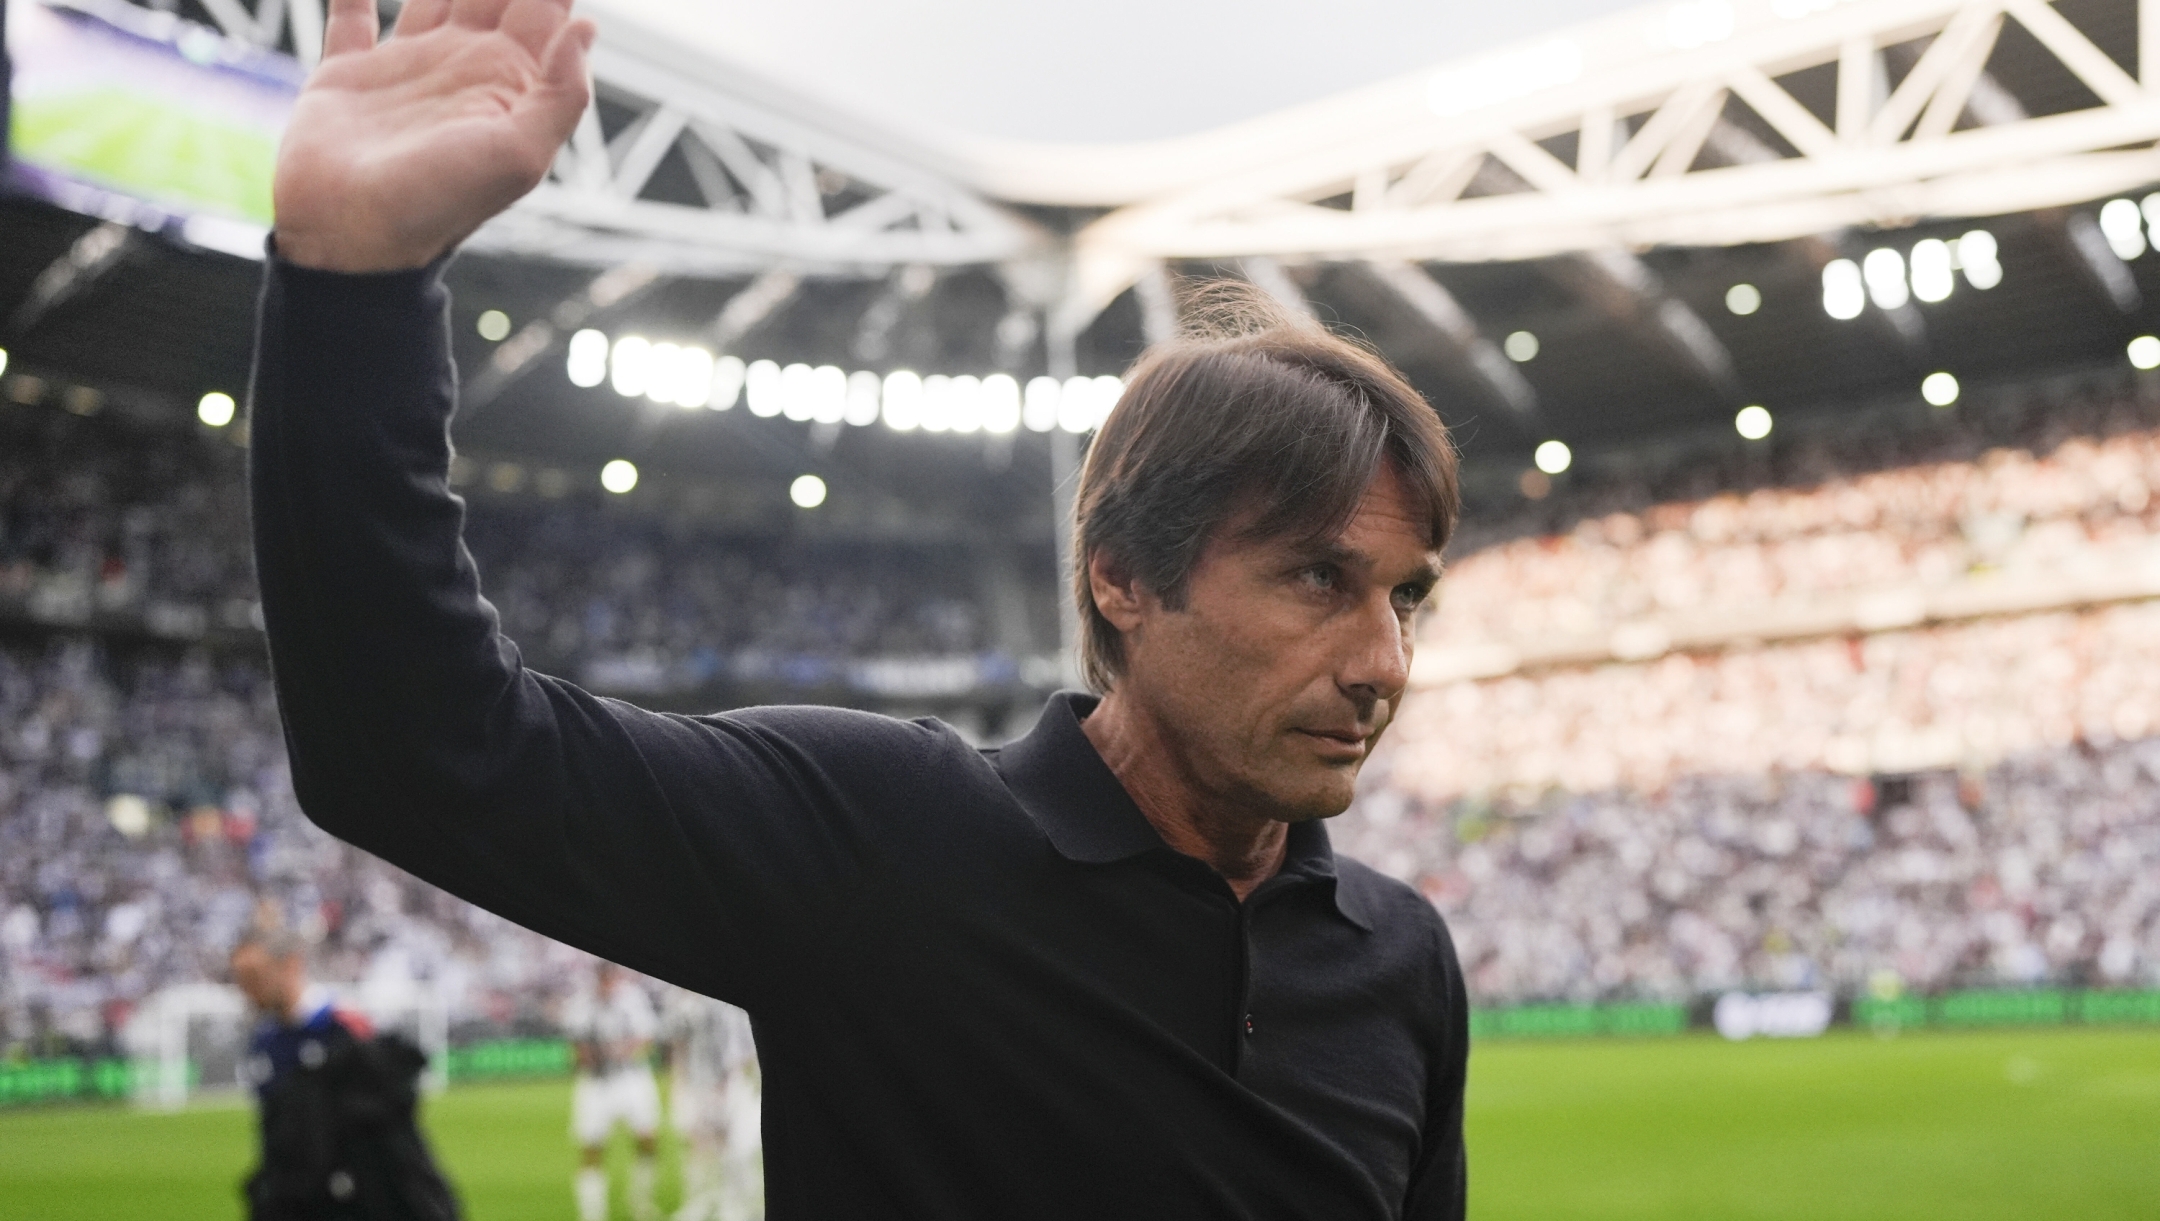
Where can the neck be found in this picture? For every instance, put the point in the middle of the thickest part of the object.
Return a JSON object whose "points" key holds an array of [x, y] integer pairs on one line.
{"points": [[1245, 848]]}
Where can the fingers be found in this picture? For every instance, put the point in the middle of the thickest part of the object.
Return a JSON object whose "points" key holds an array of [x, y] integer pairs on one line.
{"points": [[420, 16], [549, 112], [349, 28], [477, 14], [533, 23]]}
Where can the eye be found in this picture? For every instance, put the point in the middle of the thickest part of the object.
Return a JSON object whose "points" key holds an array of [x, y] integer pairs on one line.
{"points": [[1410, 598], [1324, 577]]}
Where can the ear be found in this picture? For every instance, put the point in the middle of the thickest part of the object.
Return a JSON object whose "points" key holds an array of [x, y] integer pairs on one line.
{"points": [[1118, 594]]}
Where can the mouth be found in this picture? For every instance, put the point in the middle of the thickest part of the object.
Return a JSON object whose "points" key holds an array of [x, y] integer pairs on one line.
{"points": [[1335, 745]]}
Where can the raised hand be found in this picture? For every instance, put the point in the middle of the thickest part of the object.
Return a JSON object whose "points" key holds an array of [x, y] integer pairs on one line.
{"points": [[397, 151]]}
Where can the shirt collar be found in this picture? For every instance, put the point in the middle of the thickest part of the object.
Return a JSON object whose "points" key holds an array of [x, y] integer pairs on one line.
{"points": [[1062, 782]]}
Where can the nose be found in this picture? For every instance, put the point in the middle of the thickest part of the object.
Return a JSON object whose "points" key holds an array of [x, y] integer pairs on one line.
{"points": [[1376, 664]]}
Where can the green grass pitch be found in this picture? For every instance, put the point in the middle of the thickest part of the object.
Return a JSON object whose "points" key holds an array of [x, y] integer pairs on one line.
{"points": [[1973, 1127]]}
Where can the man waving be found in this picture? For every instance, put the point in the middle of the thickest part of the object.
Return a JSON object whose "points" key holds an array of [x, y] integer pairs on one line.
{"points": [[1113, 969]]}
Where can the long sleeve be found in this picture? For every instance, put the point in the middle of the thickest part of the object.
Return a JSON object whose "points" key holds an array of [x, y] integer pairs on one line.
{"points": [[702, 850], [1439, 1184]]}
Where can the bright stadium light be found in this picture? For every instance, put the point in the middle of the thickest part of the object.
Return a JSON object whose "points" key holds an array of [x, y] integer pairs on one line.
{"points": [[1041, 411], [808, 491], [798, 391], [494, 325], [863, 388], [727, 383], [937, 403], [1553, 457], [967, 403], [3, 360], [761, 387], [1976, 254], [1520, 346], [694, 368], [1932, 278], [618, 476], [903, 400], [1743, 299], [1752, 422], [2123, 228], [1076, 404], [2145, 352], [588, 359], [630, 365], [828, 394], [663, 365], [216, 409], [1000, 404], [1939, 389], [1108, 390], [2150, 206], [1843, 295], [1884, 270]]}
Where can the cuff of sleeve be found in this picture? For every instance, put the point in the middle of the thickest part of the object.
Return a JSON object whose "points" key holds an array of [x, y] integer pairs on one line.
{"points": [[386, 287]]}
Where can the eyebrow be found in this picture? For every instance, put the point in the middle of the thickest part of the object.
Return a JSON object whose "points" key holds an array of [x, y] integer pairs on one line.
{"points": [[1331, 552]]}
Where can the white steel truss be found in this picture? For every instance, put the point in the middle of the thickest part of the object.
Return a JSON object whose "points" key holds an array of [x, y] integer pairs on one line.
{"points": [[776, 180], [1391, 172]]}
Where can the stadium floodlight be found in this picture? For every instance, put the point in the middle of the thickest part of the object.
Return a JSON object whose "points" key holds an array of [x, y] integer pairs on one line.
{"points": [[1076, 404], [1108, 390], [1884, 270], [3, 360], [1041, 411], [761, 387], [798, 391], [937, 403], [727, 383], [967, 404], [630, 365], [1553, 457], [494, 325], [1001, 404], [694, 367], [1939, 389], [1743, 299], [619, 476], [588, 359], [216, 409], [1520, 346], [2150, 206], [662, 366], [903, 400], [1976, 254], [1752, 422], [1843, 295], [808, 491], [828, 394], [863, 388], [1932, 278], [2145, 352], [2123, 227]]}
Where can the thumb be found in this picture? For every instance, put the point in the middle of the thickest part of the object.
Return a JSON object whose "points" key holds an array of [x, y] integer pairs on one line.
{"points": [[562, 65]]}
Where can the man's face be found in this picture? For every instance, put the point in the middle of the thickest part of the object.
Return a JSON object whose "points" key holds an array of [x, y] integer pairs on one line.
{"points": [[1288, 659], [272, 985]]}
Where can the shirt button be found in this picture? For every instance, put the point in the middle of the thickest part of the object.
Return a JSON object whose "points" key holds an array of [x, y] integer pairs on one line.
{"points": [[1248, 1026]]}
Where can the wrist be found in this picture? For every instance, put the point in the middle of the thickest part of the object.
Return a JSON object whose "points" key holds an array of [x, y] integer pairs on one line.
{"points": [[346, 253]]}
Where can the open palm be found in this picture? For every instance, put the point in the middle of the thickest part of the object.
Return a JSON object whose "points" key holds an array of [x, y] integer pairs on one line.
{"points": [[397, 151]]}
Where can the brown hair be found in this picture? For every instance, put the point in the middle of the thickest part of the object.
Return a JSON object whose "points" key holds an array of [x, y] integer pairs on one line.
{"points": [[1252, 409]]}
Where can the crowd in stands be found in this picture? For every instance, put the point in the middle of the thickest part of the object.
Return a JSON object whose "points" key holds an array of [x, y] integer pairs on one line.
{"points": [[98, 523], [147, 817], [1694, 822], [1939, 805]]}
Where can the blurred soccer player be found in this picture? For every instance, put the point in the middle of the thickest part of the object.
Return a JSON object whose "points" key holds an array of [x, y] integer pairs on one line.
{"points": [[1113, 969], [612, 1028], [713, 1102]]}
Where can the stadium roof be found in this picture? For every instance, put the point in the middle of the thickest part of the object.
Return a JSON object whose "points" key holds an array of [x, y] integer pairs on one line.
{"points": [[1601, 189]]}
